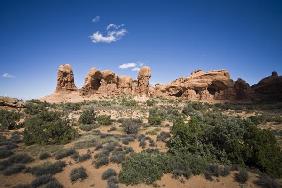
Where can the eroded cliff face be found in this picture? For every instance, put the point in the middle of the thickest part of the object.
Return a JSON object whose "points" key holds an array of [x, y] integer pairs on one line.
{"points": [[269, 88], [200, 85], [65, 79], [208, 86]]}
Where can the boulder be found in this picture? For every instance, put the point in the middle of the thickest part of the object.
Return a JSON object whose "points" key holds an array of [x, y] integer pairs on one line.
{"points": [[65, 79], [11, 102]]}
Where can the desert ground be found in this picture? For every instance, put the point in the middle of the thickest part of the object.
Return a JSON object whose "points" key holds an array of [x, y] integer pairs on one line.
{"points": [[126, 142]]}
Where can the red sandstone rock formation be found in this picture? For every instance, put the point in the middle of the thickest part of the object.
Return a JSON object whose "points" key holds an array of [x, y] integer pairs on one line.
{"points": [[65, 79], [92, 82], [200, 85], [143, 78], [269, 88]]}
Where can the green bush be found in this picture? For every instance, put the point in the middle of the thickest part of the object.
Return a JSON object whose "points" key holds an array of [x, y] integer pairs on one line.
{"points": [[64, 153], [4, 153], [151, 102], [8, 119], [78, 174], [34, 107], [44, 155], [87, 117], [142, 168], [104, 120], [87, 127], [130, 126], [266, 181], [48, 128], [108, 173], [228, 140], [47, 168], [46, 181], [128, 102], [155, 117], [242, 176], [13, 169]]}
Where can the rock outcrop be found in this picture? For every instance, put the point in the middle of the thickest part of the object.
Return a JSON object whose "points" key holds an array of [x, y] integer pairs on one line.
{"points": [[242, 89], [144, 76], [269, 88], [208, 86], [92, 82], [65, 79], [200, 85], [7, 102]]}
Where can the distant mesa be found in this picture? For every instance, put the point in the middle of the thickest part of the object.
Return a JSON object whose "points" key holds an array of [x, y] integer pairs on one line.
{"points": [[211, 86]]}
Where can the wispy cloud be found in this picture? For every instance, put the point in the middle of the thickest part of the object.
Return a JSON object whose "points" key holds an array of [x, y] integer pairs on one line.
{"points": [[134, 66], [113, 33], [127, 65], [7, 75], [96, 19], [136, 69]]}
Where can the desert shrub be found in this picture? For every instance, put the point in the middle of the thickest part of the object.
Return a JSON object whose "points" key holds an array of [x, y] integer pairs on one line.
{"points": [[8, 145], [228, 139], [71, 106], [104, 120], [16, 137], [85, 144], [101, 160], [34, 107], [142, 168], [87, 127], [151, 102], [128, 102], [22, 158], [4, 153], [185, 163], [108, 173], [44, 155], [48, 128], [242, 176], [112, 182], [155, 117], [117, 156], [80, 158], [87, 117], [8, 119], [47, 168], [224, 171], [128, 138], [13, 169], [163, 136], [266, 181], [22, 186], [130, 126], [64, 153], [78, 174], [46, 181]]}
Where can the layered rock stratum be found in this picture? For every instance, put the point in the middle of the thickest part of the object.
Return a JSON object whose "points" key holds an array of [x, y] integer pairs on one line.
{"points": [[211, 86]]}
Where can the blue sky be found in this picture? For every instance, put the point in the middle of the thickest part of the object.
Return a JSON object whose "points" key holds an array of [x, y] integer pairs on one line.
{"points": [[173, 37]]}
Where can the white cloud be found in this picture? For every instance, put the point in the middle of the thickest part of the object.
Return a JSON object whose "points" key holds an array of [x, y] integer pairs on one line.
{"points": [[134, 66], [127, 65], [113, 34], [7, 75], [96, 19], [136, 69]]}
